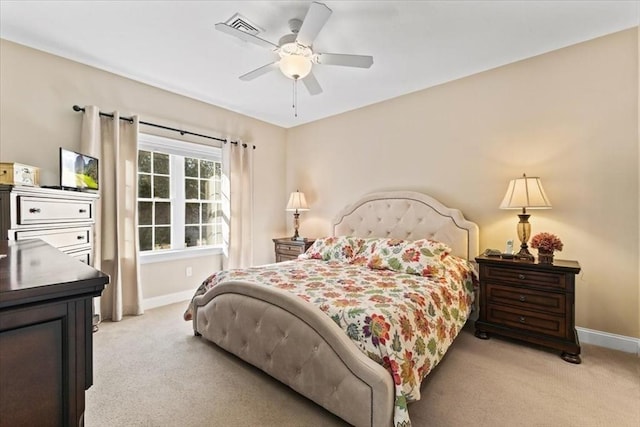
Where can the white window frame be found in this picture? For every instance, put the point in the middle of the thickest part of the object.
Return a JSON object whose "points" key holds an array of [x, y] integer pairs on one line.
{"points": [[177, 149]]}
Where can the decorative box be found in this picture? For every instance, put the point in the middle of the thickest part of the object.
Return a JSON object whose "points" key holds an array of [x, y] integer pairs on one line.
{"points": [[19, 174]]}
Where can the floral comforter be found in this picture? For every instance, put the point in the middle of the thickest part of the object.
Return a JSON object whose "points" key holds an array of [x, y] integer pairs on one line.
{"points": [[402, 321]]}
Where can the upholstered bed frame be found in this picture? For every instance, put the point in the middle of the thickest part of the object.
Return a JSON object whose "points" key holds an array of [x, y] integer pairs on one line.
{"points": [[301, 346]]}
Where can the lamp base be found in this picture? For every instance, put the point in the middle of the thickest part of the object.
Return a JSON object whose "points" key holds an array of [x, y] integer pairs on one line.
{"points": [[296, 225], [524, 254], [524, 231]]}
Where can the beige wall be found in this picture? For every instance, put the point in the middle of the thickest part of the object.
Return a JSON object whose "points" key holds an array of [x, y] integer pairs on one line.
{"points": [[569, 116], [174, 275], [37, 91]]}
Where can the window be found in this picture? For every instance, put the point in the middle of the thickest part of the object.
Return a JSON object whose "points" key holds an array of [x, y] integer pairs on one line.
{"points": [[154, 200], [179, 196], [203, 210]]}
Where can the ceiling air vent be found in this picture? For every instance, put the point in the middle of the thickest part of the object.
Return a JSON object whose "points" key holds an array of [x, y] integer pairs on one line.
{"points": [[241, 23]]}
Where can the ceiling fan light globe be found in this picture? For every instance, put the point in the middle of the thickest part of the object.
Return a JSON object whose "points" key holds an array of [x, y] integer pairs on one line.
{"points": [[295, 66]]}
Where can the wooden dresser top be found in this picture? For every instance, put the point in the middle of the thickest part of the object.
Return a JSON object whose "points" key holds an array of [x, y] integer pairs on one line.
{"points": [[33, 270]]}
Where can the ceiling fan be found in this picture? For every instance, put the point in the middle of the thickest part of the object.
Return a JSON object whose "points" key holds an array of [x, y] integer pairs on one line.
{"points": [[295, 50]]}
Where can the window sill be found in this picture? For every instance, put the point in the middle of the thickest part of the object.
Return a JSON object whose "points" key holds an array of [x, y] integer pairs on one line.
{"points": [[176, 254]]}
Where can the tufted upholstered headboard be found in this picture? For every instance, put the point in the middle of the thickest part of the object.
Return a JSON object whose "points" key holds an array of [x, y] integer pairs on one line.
{"points": [[408, 215]]}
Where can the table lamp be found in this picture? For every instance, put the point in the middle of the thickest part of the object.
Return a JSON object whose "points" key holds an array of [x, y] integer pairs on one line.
{"points": [[297, 203], [523, 193]]}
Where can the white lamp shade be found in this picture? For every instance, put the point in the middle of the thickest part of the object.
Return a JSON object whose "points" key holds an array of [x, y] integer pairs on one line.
{"points": [[295, 66], [297, 202], [525, 192]]}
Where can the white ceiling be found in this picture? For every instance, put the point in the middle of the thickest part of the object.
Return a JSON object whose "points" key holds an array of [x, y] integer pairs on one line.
{"points": [[415, 44]]}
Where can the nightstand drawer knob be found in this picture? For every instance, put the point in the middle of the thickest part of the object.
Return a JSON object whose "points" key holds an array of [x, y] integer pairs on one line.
{"points": [[521, 276], [522, 319], [523, 298], [34, 210]]}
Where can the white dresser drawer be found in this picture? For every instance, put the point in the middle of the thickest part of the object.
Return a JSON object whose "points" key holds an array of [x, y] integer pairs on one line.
{"points": [[65, 239], [83, 255], [37, 210]]}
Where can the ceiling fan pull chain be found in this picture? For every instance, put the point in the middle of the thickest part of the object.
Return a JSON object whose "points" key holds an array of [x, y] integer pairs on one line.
{"points": [[295, 97]]}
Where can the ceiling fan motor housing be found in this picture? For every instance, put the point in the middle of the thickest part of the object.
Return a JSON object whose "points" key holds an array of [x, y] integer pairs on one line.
{"points": [[287, 39]]}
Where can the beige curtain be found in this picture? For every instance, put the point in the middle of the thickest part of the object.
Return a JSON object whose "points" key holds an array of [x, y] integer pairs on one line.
{"points": [[115, 143], [237, 196]]}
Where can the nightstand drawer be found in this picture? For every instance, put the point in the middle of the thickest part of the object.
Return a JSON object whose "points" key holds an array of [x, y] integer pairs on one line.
{"points": [[525, 277], [526, 298], [546, 324], [285, 249]]}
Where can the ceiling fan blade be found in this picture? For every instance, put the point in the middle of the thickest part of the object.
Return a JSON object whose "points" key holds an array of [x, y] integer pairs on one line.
{"points": [[259, 71], [221, 26], [312, 85], [316, 17], [360, 61]]}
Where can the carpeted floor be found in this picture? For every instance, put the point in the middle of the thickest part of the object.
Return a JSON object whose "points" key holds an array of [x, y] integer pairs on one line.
{"points": [[151, 371]]}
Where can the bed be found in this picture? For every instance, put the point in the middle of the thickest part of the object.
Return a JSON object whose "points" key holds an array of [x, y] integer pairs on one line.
{"points": [[278, 329]]}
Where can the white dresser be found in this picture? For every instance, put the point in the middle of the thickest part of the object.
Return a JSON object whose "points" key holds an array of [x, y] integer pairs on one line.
{"points": [[64, 219]]}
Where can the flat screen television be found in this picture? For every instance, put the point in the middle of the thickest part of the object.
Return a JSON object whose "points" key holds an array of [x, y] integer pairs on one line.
{"points": [[78, 171]]}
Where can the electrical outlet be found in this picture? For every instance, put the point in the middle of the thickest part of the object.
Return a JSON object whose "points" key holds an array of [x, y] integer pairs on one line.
{"points": [[188, 272]]}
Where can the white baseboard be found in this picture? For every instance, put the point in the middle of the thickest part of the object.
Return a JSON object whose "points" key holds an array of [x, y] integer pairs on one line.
{"points": [[159, 301], [612, 341]]}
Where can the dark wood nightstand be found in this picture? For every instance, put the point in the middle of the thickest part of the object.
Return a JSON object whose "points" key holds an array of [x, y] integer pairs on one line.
{"points": [[287, 249], [529, 301]]}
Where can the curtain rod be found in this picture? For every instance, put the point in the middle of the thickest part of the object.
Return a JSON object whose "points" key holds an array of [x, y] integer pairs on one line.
{"points": [[182, 132]]}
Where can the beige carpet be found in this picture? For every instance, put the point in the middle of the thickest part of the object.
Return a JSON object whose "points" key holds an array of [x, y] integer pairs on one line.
{"points": [[151, 371]]}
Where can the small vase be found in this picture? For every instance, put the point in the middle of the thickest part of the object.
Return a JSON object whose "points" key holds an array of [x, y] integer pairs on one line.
{"points": [[545, 257]]}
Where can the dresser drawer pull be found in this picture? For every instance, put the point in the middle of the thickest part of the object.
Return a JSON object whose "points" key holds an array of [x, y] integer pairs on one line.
{"points": [[34, 210], [80, 237], [522, 319], [523, 298], [82, 210], [521, 276]]}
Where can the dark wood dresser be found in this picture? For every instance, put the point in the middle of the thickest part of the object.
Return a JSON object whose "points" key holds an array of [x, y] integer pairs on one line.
{"points": [[529, 301], [287, 249], [46, 344]]}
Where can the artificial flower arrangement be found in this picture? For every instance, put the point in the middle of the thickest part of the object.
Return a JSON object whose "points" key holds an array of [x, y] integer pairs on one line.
{"points": [[546, 242]]}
